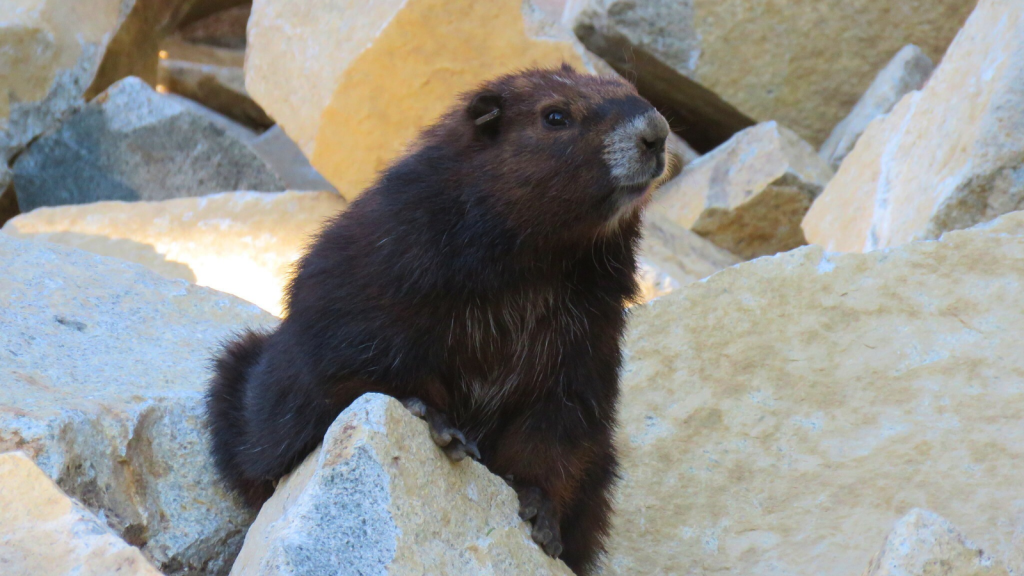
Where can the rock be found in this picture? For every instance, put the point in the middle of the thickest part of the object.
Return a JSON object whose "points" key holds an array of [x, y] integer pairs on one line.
{"points": [[369, 78], [103, 367], [906, 72], [213, 77], [284, 156], [242, 243], [750, 194], [225, 29], [378, 497], [924, 544], [778, 416], [803, 63], [671, 256], [8, 201], [945, 158], [131, 143], [49, 51], [43, 532]]}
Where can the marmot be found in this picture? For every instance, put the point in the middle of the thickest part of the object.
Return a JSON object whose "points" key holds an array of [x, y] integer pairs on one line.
{"points": [[482, 280]]}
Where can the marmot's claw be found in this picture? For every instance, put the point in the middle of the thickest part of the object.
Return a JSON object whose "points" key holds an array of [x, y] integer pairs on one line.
{"points": [[535, 507], [416, 407], [446, 436]]}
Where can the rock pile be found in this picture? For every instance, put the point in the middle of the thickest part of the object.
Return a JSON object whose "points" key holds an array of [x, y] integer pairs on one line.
{"points": [[803, 412]]}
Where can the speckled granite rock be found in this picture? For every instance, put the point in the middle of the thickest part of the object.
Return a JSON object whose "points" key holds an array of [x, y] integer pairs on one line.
{"points": [[778, 416], [924, 544], [378, 497], [45, 533], [131, 143], [103, 366], [242, 243]]}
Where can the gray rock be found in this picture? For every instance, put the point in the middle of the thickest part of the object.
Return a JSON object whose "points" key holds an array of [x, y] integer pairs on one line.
{"points": [[906, 72], [285, 157], [131, 143], [103, 366], [924, 544], [378, 497]]}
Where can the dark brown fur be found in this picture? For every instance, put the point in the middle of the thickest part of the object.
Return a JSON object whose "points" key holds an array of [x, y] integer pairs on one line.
{"points": [[485, 273]]}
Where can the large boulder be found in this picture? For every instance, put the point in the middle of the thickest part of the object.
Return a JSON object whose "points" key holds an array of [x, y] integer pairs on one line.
{"points": [[8, 200], [801, 62], [924, 544], [779, 416], [132, 143], [749, 195], [103, 367], [242, 243], [45, 533], [378, 497], [353, 82], [908, 70], [946, 157]]}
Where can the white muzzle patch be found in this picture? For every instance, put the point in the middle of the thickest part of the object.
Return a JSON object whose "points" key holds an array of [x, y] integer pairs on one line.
{"points": [[625, 152]]}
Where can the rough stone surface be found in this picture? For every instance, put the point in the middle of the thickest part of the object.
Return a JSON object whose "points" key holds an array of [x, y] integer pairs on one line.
{"points": [[777, 417], [132, 143], [353, 82], [378, 497], [946, 157], [50, 51], [803, 63], [672, 256], [103, 366], [750, 194], [287, 160], [242, 243], [906, 72], [924, 544], [44, 533]]}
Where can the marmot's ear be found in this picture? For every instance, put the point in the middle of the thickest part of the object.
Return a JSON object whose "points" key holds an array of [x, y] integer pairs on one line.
{"points": [[485, 112]]}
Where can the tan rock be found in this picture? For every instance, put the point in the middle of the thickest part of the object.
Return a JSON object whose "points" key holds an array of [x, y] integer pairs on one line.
{"points": [[778, 416], [378, 497], [750, 194], [45, 533], [242, 243], [353, 82], [671, 256], [924, 544], [908, 70], [945, 158], [103, 369], [801, 62]]}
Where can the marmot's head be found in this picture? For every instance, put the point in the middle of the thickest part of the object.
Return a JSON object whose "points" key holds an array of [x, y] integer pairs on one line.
{"points": [[559, 153]]}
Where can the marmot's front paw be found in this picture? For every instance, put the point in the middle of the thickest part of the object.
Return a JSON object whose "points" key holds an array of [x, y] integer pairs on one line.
{"points": [[448, 437], [535, 506]]}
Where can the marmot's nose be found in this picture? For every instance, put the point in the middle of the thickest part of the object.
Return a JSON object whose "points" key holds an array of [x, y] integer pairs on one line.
{"points": [[653, 132]]}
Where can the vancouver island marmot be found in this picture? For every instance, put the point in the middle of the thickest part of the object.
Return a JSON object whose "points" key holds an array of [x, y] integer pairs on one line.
{"points": [[482, 281]]}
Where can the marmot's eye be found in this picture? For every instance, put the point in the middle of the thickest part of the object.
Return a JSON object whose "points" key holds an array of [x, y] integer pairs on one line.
{"points": [[556, 118]]}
